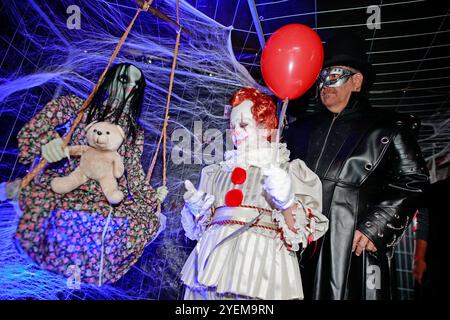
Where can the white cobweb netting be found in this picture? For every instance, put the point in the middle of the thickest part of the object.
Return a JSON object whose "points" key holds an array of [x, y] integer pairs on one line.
{"points": [[44, 58]]}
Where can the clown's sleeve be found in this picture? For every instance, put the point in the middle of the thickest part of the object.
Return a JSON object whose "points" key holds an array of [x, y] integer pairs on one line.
{"points": [[310, 223]]}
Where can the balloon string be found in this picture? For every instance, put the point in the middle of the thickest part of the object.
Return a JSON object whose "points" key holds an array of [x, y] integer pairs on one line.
{"points": [[280, 126]]}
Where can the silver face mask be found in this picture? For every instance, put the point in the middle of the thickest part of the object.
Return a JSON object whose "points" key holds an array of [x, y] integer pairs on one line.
{"points": [[334, 77]]}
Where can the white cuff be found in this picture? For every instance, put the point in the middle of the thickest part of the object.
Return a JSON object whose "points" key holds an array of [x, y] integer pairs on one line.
{"points": [[293, 239], [310, 226], [283, 205]]}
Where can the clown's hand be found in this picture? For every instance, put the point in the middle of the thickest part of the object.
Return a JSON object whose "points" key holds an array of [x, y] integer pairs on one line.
{"points": [[161, 193], [192, 196], [53, 151], [197, 201], [195, 214], [278, 185]]}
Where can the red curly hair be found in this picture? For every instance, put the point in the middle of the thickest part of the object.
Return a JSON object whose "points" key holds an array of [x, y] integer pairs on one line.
{"points": [[264, 109]]}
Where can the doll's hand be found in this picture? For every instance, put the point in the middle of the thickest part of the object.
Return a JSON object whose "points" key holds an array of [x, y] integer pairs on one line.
{"points": [[10, 190], [53, 151], [161, 193], [278, 185]]}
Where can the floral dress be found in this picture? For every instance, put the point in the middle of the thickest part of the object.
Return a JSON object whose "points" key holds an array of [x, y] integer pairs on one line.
{"points": [[80, 230]]}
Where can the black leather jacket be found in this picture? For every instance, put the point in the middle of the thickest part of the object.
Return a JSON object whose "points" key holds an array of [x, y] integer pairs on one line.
{"points": [[370, 166]]}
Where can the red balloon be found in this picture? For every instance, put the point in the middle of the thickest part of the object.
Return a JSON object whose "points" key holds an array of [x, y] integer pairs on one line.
{"points": [[291, 60]]}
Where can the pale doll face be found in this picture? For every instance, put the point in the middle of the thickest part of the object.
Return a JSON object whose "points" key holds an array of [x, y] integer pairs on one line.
{"points": [[244, 129], [126, 82]]}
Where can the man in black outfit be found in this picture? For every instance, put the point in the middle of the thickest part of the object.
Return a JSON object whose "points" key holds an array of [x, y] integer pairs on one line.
{"points": [[370, 166]]}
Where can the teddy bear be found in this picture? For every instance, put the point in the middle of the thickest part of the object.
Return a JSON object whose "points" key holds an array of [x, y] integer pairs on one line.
{"points": [[99, 161]]}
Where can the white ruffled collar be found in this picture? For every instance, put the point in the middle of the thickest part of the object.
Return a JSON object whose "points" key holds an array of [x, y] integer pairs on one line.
{"points": [[258, 157]]}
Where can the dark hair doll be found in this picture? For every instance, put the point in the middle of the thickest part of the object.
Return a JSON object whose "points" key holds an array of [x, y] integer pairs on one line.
{"points": [[120, 95]]}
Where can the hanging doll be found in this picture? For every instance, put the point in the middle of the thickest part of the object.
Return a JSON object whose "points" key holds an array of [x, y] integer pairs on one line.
{"points": [[250, 213], [80, 229]]}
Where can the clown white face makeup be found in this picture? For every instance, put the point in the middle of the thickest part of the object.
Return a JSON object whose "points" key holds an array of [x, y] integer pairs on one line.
{"points": [[244, 129]]}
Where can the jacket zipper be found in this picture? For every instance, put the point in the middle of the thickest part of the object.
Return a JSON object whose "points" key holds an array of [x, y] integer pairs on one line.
{"points": [[325, 142]]}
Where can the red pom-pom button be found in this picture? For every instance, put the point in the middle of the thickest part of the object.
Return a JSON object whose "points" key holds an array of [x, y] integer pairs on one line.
{"points": [[234, 198], [238, 176]]}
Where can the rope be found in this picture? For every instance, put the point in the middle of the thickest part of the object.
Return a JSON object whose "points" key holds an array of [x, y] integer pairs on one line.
{"points": [[267, 211], [30, 176], [163, 136], [234, 234], [256, 225], [102, 257]]}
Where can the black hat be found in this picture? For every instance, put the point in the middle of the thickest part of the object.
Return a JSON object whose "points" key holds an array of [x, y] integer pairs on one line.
{"points": [[348, 49]]}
